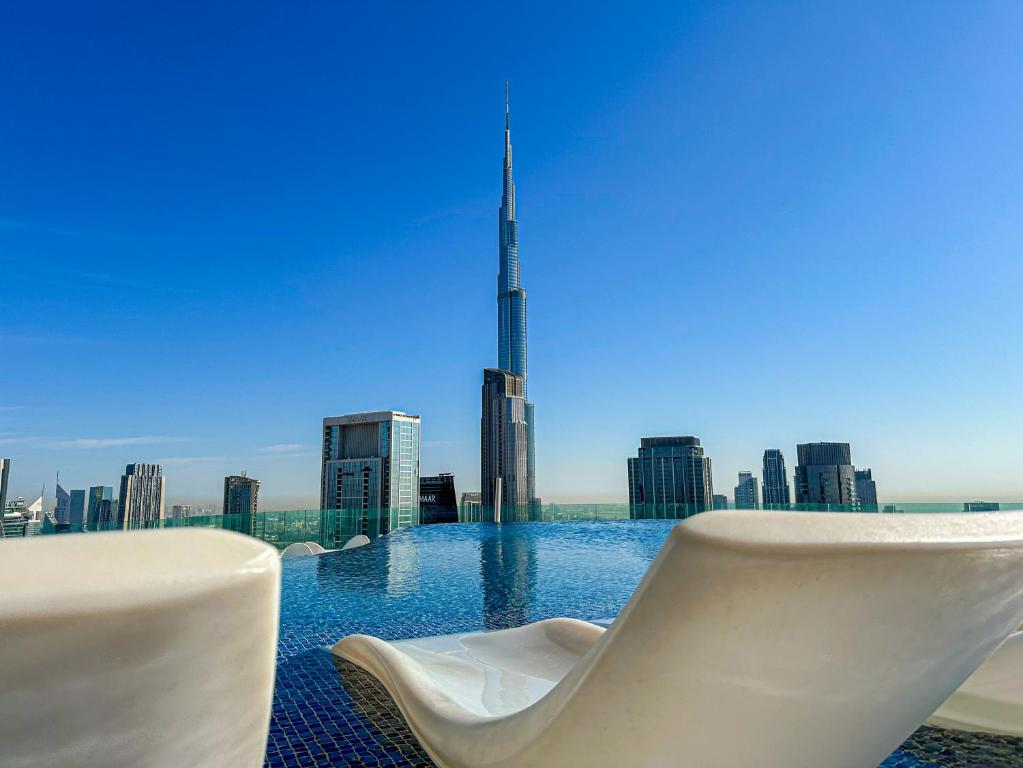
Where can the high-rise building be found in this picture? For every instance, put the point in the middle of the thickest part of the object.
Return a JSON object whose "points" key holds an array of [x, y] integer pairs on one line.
{"points": [[471, 508], [61, 509], [747, 495], [140, 503], [776, 481], [241, 502], [437, 500], [504, 447], [825, 474], [515, 474], [5, 471], [101, 514], [866, 490], [670, 478], [370, 473], [720, 501], [76, 511]]}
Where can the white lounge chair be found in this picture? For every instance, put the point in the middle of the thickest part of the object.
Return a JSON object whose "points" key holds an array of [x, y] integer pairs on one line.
{"points": [[123, 650], [355, 542], [763, 639], [302, 549], [991, 700]]}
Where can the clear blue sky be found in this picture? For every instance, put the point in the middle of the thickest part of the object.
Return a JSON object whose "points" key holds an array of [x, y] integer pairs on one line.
{"points": [[759, 223]]}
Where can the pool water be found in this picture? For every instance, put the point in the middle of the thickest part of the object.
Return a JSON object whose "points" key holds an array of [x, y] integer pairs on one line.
{"points": [[442, 579]]}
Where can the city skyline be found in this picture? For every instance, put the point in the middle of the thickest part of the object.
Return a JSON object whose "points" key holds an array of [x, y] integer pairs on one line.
{"points": [[153, 235]]}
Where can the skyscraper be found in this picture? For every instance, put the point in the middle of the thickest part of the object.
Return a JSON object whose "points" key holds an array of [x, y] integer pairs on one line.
{"points": [[61, 508], [866, 490], [669, 478], [747, 495], [438, 502], [241, 501], [5, 471], [504, 447], [825, 474], [76, 511], [776, 481], [101, 510], [370, 469], [140, 504], [520, 472]]}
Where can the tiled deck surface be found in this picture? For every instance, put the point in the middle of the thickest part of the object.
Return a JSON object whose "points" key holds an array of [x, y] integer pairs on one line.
{"points": [[461, 578]]}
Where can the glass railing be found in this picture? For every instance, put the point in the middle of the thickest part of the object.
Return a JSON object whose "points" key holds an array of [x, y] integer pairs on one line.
{"points": [[332, 528]]}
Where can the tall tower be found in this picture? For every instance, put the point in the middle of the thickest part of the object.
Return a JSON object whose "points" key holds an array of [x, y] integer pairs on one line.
{"points": [[140, 505], [512, 355], [511, 297], [776, 481], [825, 475]]}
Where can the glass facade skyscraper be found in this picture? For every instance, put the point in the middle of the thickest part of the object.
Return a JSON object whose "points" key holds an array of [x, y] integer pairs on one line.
{"points": [[669, 478], [140, 504], [747, 494], [101, 513], [371, 465], [512, 348], [825, 474], [241, 502], [866, 490], [776, 482], [504, 447]]}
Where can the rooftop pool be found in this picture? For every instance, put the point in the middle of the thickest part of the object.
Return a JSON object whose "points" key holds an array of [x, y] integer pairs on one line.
{"points": [[443, 579]]}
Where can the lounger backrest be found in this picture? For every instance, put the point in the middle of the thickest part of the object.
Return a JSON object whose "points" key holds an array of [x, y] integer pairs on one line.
{"points": [[794, 639]]}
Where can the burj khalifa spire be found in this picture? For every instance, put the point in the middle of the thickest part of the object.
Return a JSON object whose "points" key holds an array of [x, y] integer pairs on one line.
{"points": [[511, 297]]}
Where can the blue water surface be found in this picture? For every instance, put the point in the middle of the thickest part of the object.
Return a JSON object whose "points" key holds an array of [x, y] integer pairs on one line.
{"points": [[441, 579]]}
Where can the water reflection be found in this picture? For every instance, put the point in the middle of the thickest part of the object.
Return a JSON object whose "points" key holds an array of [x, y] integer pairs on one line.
{"points": [[508, 576]]}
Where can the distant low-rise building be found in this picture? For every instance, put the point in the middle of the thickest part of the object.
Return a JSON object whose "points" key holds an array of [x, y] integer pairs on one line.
{"points": [[981, 506], [179, 511], [20, 519], [471, 508]]}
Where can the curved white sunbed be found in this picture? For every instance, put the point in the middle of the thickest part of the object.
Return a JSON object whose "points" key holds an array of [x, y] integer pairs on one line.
{"points": [[763, 639], [991, 700], [302, 549], [151, 649], [355, 542]]}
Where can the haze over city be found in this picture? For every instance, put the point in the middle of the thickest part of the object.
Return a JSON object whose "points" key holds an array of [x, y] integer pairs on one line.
{"points": [[760, 227]]}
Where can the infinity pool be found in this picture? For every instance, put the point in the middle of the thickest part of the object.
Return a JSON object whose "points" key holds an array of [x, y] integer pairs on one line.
{"points": [[441, 579]]}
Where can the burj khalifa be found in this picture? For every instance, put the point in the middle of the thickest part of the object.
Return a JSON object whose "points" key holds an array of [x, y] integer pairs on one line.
{"points": [[507, 434]]}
